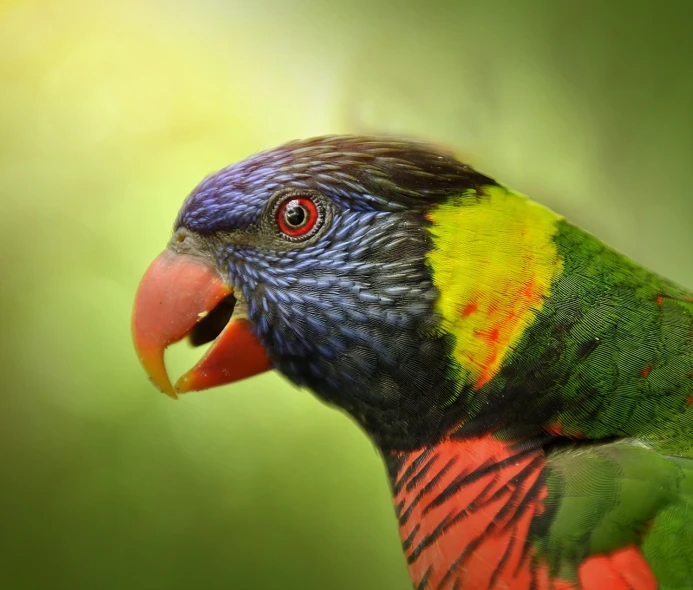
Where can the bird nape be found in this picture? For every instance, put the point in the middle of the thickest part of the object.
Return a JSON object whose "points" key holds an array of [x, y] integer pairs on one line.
{"points": [[530, 388]]}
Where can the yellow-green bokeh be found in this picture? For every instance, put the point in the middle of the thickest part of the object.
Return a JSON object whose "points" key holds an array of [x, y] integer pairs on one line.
{"points": [[110, 112]]}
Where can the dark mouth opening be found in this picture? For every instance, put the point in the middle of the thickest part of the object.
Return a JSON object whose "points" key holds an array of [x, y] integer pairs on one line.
{"points": [[210, 326]]}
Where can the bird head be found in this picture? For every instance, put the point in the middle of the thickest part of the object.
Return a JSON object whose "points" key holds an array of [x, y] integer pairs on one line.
{"points": [[311, 258]]}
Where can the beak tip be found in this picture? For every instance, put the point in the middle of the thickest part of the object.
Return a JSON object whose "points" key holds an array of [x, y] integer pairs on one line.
{"points": [[152, 360], [159, 379], [169, 391], [184, 384]]}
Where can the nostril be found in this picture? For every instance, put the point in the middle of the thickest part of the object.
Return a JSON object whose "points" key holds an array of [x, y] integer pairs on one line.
{"points": [[213, 323], [180, 237]]}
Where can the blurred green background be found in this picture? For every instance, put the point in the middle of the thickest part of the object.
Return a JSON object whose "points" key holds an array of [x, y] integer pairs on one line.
{"points": [[111, 112]]}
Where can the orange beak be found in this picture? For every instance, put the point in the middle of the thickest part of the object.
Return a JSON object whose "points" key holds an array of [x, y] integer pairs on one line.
{"points": [[175, 297]]}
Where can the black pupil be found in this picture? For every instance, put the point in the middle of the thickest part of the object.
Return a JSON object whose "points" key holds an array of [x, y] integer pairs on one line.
{"points": [[295, 214]]}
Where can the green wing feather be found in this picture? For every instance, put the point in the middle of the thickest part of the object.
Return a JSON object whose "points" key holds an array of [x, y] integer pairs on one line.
{"points": [[605, 497], [624, 372]]}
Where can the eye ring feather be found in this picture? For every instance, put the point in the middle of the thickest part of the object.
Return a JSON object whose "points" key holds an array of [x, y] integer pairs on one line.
{"points": [[298, 217]]}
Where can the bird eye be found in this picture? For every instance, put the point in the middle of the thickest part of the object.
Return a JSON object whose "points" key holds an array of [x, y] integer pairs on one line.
{"points": [[297, 216]]}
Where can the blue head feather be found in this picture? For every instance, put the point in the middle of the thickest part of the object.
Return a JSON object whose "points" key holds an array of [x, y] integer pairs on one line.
{"points": [[349, 312]]}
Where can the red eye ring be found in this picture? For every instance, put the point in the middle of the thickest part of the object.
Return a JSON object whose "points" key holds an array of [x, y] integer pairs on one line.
{"points": [[297, 216]]}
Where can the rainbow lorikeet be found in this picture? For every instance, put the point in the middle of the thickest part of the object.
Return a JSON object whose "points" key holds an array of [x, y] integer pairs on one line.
{"points": [[530, 389]]}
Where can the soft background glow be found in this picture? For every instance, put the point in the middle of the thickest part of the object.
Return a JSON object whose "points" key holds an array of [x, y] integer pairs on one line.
{"points": [[111, 112]]}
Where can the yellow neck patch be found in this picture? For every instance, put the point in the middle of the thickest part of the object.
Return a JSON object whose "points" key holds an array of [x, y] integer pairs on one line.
{"points": [[494, 260]]}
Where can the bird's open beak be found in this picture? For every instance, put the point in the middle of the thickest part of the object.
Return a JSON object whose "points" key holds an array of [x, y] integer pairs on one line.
{"points": [[182, 295]]}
